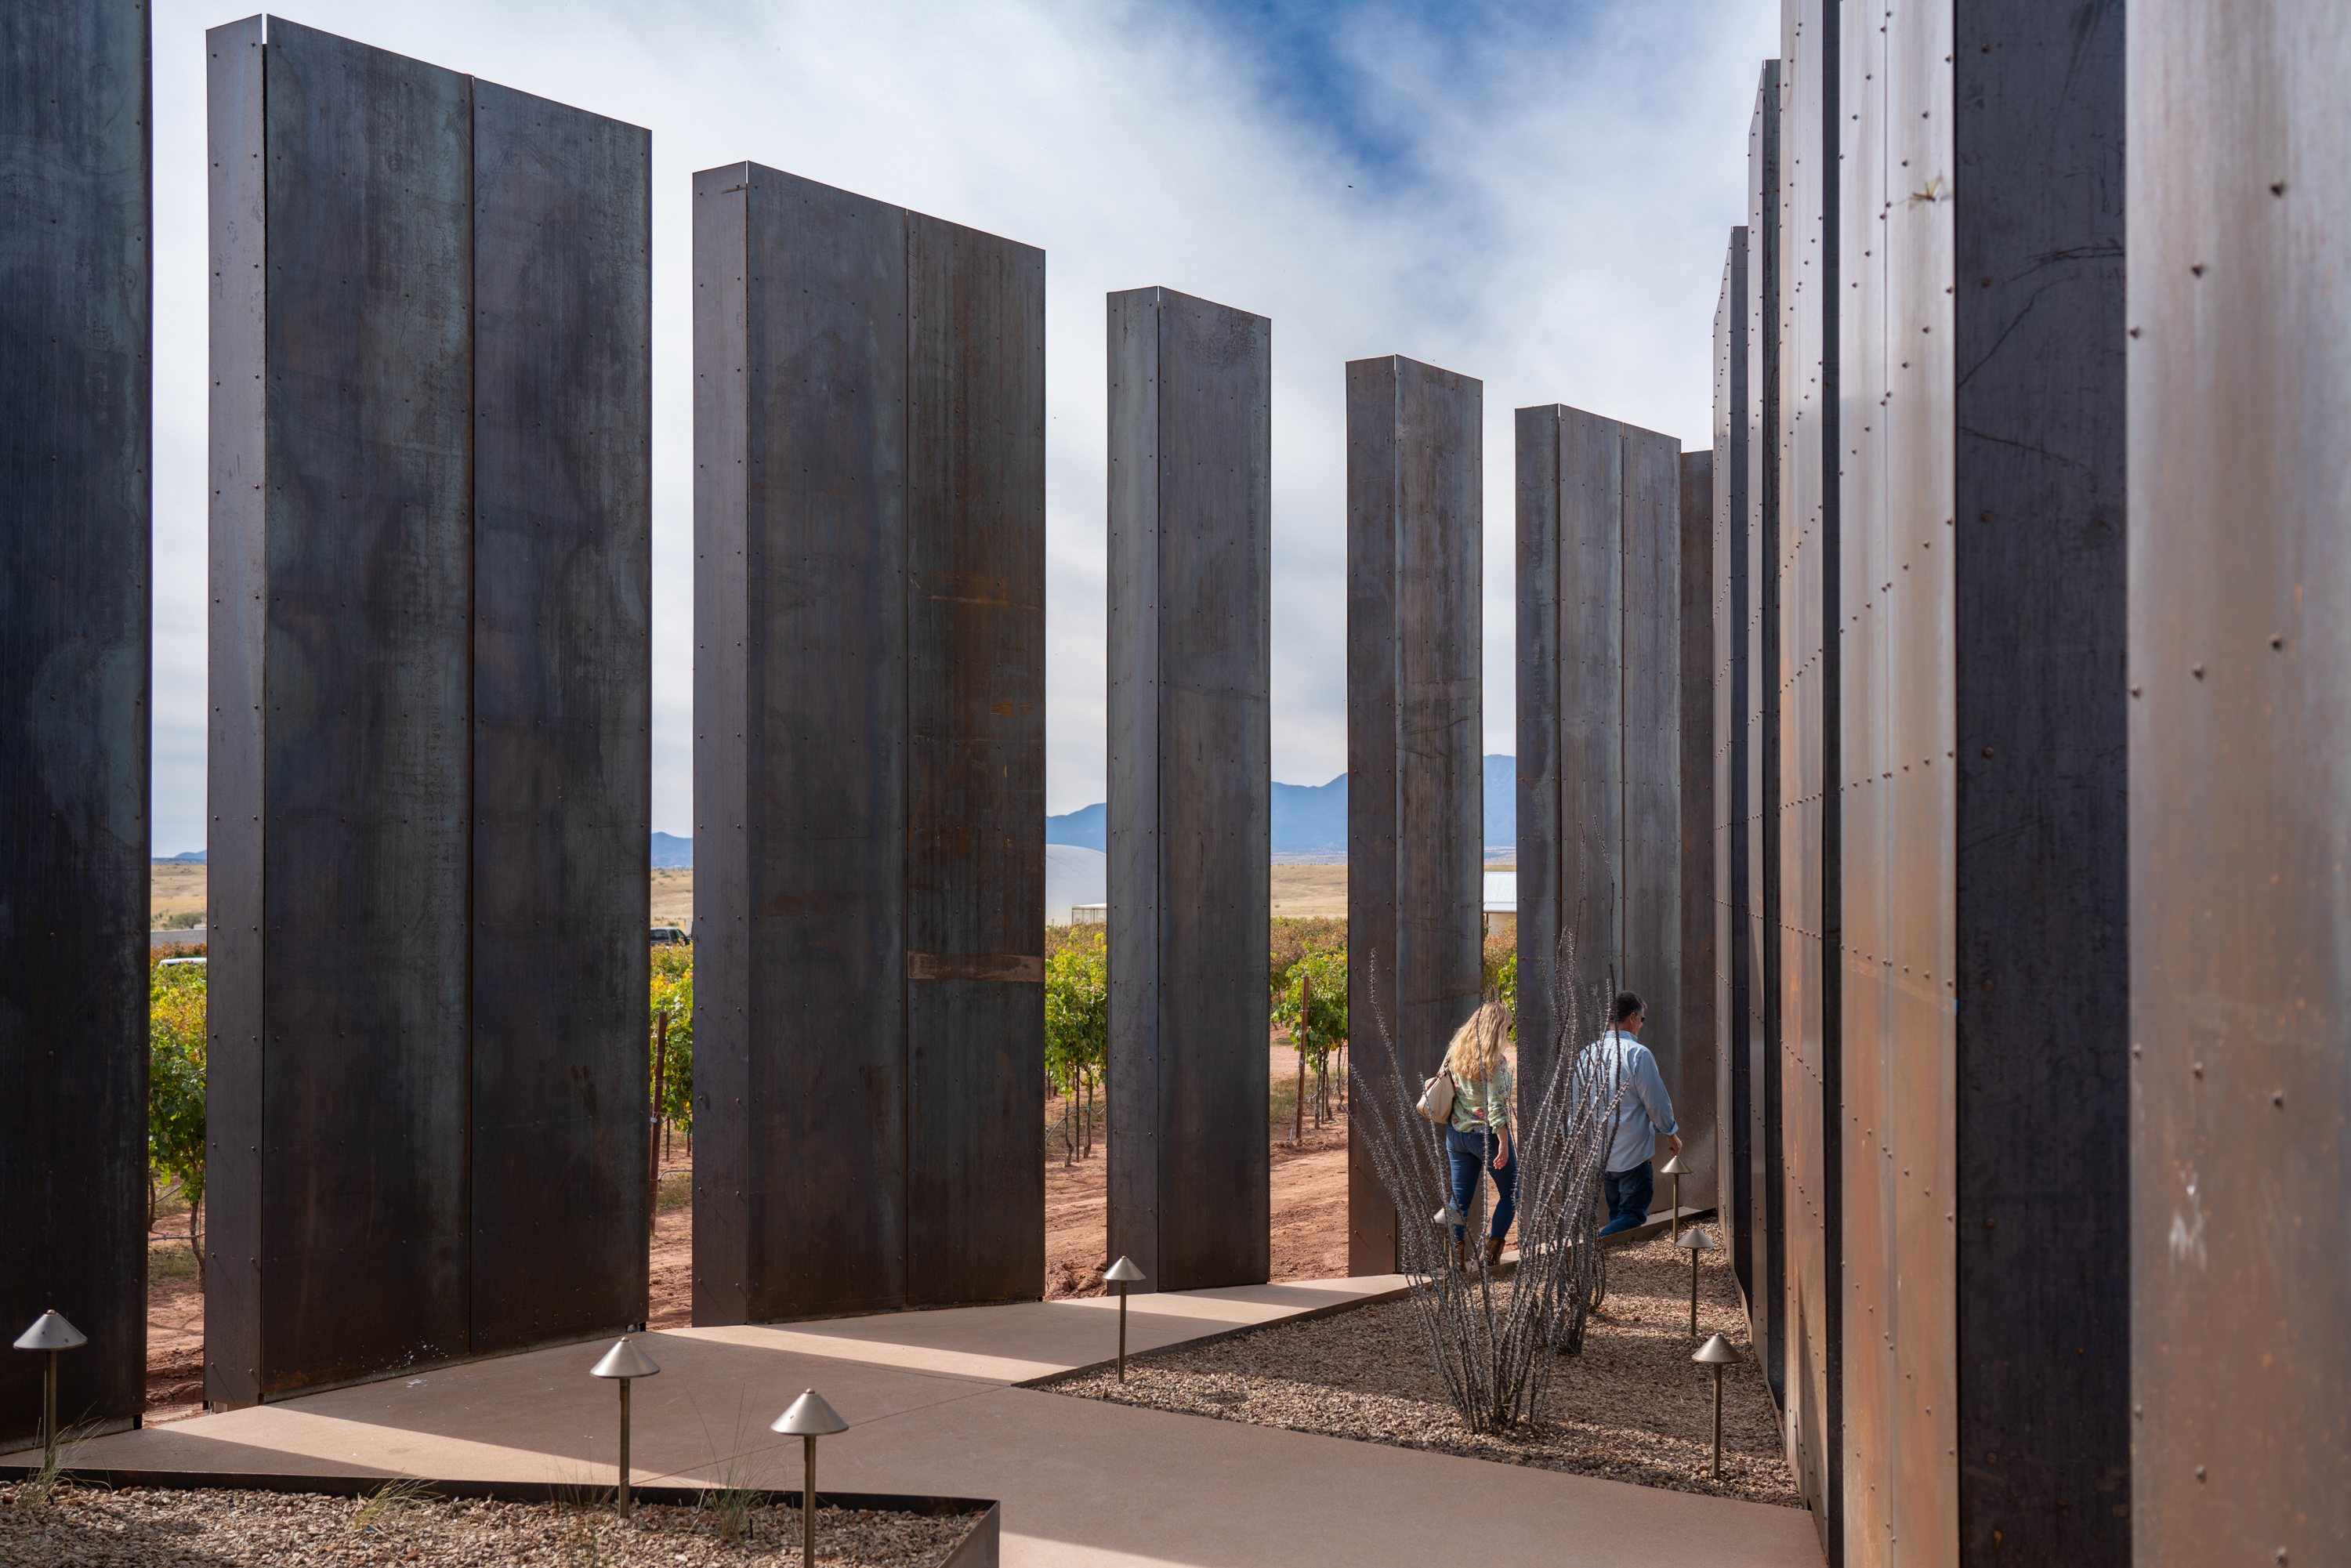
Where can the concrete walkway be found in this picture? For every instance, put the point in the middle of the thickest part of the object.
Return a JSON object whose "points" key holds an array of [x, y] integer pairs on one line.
{"points": [[933, 1409]]}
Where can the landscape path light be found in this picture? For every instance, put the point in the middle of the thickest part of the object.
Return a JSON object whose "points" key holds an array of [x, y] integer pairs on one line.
{"points": [[625, 1361], [52, 1333], [1676, 1169], [808, 1418], [1716, 1354], [1121, 1273], [1694, 1241]]}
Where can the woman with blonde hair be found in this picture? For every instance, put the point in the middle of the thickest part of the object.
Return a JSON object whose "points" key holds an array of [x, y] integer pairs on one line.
{"points": [[1478, 1135]]}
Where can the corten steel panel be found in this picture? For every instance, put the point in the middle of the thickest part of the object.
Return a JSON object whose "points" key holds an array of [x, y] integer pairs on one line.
{"points": [[1872, 1380], [1190, 785], [1807, 738], [1765, 1228], [2240, 980], [74, 555], [867, 505], [374, 533], [2043, 1325], [975, 763], [1650, 723], [561, 747], [1415, 803], [365, 559], [1570, 783], [1698, 1062], [1733, 700]]}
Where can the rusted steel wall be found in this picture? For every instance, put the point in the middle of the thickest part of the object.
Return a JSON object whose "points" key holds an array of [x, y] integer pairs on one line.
{"points": [[869, 770], [1733, 701], [1982, 729], [1416, 517], [74, 632], [562, 679], [1765, 1229], [1807, 738], [391, 417], [2240, 388], [1697, 1063], [1599, 726], [1191, 537]]}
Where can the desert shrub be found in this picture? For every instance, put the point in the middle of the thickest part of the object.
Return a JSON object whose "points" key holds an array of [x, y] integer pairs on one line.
{"points": [[673, 993], [175, 1092]]}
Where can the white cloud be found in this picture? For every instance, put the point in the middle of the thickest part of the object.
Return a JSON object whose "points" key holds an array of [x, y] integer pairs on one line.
{"points": [[1554, 224]]}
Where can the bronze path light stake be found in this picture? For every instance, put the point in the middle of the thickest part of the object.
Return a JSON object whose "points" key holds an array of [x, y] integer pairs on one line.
{"points": [[1716, 1354], [1694, 1241], [1676, 1169], [51, 1333], [808, 1418], [625, 1361], [1121, 1273]]}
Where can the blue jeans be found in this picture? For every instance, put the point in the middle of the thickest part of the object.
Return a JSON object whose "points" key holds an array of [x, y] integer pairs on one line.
{"points": [[1627, 1194], [1470, 1153]]}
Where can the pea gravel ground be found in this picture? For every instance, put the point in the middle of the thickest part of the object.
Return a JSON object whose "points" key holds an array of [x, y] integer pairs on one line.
{"points": [[204, 1529], [1630, 1407]]}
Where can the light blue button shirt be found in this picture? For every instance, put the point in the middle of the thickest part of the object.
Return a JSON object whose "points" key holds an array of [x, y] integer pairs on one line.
{"points": [[1645, 1112]]}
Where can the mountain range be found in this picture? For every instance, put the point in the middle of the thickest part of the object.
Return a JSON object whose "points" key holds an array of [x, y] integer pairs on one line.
{"points": [[1311, 819]]}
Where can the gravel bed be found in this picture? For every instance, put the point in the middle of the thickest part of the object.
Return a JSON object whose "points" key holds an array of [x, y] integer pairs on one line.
{"points": [[1631, 1408], [203, 1529]]}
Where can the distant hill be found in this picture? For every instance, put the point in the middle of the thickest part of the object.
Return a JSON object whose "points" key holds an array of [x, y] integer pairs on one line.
{"points": [[1311, 818], [671, 851]]}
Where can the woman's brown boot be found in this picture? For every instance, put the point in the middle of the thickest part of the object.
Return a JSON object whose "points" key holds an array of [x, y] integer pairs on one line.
{"points": [[1493, 1252], [1461, 1255]]}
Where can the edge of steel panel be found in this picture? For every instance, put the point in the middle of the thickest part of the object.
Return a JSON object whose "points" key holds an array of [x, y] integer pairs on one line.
{"points": [[2042, 892], [827, 754], [76, 319], [1190, 519], [366, 763], [1541, 858], [558, 1176], [1764, 267], [1734, 1106], [1694, 1088], [1649, 737], [722, 1215], [238, 580], [1415, 518], [976, 747], [2240, 740]]}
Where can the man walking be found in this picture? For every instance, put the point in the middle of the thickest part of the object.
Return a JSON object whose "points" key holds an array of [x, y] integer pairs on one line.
{"points": [[1644, 1112]]}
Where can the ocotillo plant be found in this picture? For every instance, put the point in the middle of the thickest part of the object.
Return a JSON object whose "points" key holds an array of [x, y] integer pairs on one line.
{"points": [[1494, 1338]]}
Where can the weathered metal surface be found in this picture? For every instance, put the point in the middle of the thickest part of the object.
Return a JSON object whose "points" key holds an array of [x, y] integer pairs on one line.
{"points": [[1571, 784], [1807, 675], [74, 624], [869, 761], [561, 692], [1982, 724], [1697, 1064], [1766, 1230], [1415, 521], [1733, 701], [1191, 535], [429, 629], [1599, 724], [2241, 982], [976, 759]]}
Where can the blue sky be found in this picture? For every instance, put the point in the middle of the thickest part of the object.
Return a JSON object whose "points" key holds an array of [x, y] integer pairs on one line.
{"points": [[1535, 194]]}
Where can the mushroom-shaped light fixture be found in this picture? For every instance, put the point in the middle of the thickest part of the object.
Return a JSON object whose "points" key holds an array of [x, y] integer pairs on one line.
{"points": [[625, 1361], [1676, 1169], [50, 1333], [1121, 1273], [1694, 1241], [1716, 1354], [808, 1418]]}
